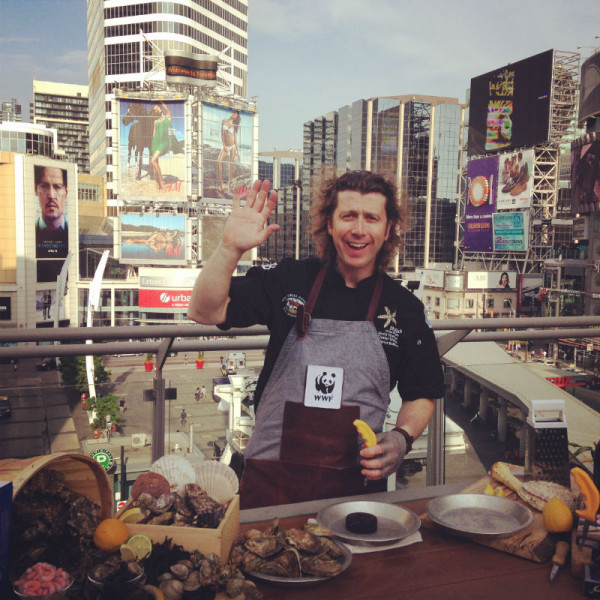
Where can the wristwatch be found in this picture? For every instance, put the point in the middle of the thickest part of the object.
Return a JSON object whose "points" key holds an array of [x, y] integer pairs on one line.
{"points": [[409, 438]]}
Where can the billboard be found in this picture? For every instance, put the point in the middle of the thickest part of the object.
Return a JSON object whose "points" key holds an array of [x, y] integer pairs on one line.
{"points": [[585, 175], [152, 161], [491, 280], [481, 204], [153, 239], [226, 151], [515, 180], [511, 231], [510, 106], [166, 289], [191, 69], [46, 305], [589, 94], [51, 187]]}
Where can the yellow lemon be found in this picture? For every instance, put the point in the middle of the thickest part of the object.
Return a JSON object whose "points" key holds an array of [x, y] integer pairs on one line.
{"points": [[127, 553], [557, 515], [132, 515]]}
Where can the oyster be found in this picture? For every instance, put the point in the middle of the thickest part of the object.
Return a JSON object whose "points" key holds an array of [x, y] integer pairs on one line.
{"points": [[264, 546], [163, 503], [304, 540], [321, 565]]}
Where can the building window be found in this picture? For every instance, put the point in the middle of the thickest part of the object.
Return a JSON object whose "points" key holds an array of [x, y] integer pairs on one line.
{"points": [[437, 301], [469, 303], [490, 303], [453, 303], [507, 303]]}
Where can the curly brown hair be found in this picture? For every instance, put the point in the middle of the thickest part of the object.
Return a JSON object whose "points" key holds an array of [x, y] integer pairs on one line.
{"points": [[364, 182]]}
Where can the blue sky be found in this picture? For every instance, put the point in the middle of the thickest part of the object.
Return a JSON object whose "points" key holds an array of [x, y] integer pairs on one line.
{"points": [[309, 57]]}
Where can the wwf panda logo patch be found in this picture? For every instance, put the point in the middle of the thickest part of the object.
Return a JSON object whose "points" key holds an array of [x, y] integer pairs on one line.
{"points": [[324, 386], [325, 382]]}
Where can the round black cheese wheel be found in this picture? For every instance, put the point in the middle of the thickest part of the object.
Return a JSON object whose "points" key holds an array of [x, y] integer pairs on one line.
{"points": [[361, 522]]}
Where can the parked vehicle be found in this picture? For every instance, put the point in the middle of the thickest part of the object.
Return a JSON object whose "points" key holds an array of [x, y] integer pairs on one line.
{"points": [[47, 364], [593, 383], [5, 408]]}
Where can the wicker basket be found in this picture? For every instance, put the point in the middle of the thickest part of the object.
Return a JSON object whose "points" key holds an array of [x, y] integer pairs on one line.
{"points": [[82, 474]]}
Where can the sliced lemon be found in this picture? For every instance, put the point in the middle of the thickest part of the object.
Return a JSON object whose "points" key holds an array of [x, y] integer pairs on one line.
{"points": [[154, 591], [132, 515], [489, 489], [127, 553], [500, 492], [141, 545]]}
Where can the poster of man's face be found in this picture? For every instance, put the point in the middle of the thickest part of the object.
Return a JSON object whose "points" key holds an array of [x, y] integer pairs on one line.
{"points": [[51, 227]]}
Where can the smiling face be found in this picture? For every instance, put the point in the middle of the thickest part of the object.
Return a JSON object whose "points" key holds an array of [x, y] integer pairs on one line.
{"points": [[52, 193], [358, 228]]}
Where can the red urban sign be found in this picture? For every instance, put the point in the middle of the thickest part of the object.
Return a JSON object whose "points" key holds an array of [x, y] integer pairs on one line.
{"points": [[164, 298]]}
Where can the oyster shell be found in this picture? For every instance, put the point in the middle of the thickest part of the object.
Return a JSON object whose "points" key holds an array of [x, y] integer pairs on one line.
{"points": [[321, 565], [304, 540], [264, 546]]}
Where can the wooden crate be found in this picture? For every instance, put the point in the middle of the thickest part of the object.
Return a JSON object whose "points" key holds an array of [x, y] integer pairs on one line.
{"points": [[217, 540]]}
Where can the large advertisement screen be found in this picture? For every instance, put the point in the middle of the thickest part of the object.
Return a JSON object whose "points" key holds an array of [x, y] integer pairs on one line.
{"points": [[589, 95], [192, 69], [515, 180], [511, 231], [153, 239], [152, 149], [226, 151], [482, 177], [585, 177], [510, 106], [491, 280]]}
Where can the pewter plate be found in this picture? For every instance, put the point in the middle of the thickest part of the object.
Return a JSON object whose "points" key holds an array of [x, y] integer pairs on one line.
{"points": [[479, 515], [306, 580], [393, 522]]}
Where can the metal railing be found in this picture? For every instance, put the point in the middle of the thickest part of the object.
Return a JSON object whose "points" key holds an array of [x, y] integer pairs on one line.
{"points": [[163, 339]]}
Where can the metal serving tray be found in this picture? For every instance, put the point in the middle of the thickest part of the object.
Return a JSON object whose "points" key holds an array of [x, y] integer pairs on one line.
{"points": [[393, 522], [479, 515]]}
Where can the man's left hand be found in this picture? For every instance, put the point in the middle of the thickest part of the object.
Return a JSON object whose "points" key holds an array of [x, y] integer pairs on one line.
{"points": [[385, 457]]}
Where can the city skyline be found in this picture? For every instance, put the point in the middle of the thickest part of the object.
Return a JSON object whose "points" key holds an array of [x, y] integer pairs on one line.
{"points": [[307, 59]]}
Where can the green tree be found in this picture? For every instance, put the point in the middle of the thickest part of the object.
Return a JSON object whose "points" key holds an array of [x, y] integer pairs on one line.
{"points": [[103, 407], [74, 373]]}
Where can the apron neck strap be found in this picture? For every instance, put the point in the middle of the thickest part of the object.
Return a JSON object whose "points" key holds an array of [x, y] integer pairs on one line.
{"points": [[303, 317]]}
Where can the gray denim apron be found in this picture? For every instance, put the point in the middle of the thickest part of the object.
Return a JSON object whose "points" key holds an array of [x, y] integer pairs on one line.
{"points": [[297, 452]]}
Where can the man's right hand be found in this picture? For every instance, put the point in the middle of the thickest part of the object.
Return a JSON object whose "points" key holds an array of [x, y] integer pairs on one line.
{"points": [[245, 228]]}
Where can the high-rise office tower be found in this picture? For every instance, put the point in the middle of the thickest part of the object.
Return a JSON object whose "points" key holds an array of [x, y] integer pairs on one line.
{"points": [[125, 39], [64, 107], [415, 142], [11, 111]]}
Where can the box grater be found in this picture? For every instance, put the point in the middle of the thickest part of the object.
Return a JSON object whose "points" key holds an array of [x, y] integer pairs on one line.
{"points": [[546, 448]]}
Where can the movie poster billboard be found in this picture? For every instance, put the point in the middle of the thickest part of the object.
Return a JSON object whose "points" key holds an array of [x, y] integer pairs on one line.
{"points": [[152, 161], [226, 151], [585, 176], [153, 239], [46, 306], [510, 106], [515, 180], [511, 231], [480, 204], [51, 187]]}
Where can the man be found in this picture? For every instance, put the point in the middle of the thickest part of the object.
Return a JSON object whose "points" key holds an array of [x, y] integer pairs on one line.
{"points": [[51, 228], [342, 335], [202, 393]]}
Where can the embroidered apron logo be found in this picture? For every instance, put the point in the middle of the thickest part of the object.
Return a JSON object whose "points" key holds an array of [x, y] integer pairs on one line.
{"points": [[291, 303], [323, 387], [268, 266]]}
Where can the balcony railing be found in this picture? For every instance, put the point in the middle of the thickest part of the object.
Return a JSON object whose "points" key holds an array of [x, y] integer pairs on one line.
{"points": [[164, 339]]}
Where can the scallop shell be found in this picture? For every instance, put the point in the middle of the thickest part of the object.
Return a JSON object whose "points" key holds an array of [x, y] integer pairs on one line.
{"points": [[218, 480], [177, 470]]}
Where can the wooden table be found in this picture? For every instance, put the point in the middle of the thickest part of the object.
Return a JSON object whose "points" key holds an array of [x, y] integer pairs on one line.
{"points": [[442, 566]]}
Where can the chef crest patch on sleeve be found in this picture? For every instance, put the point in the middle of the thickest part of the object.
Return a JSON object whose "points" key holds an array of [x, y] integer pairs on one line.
{"points": [[291, 303]]}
